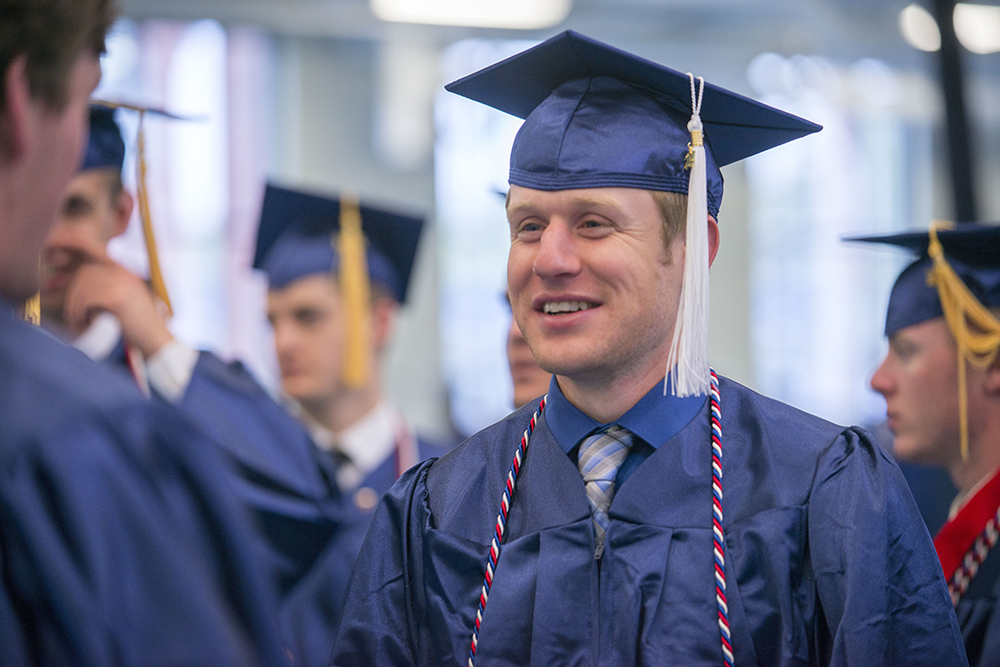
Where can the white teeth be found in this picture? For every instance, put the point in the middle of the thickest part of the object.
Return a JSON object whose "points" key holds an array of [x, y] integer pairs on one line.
{"points": [[553, 307]]}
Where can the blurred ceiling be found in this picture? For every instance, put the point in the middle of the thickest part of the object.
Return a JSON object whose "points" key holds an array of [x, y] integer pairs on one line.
{"points": [[836, 28]]}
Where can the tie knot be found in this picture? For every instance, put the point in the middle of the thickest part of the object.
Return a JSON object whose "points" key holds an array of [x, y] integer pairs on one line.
{"points": [[602, 453]]}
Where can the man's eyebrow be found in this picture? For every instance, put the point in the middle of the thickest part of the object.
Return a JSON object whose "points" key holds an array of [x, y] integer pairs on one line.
{"points": [[577, 203]]}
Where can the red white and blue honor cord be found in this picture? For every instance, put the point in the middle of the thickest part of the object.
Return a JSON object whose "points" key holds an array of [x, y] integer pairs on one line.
{"points": [[719, 548], [508, 492], [718, 537]]}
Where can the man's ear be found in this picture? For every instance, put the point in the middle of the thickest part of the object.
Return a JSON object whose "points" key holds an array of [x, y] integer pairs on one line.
{"points": [[122, 213], [384, 311], [15, 117], [713, 239], [992, 380]]}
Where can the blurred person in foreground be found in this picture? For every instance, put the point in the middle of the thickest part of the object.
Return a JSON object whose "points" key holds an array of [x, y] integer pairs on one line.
{"points": [[119, 543], [941, 383], [630, 518], [115, 318]]}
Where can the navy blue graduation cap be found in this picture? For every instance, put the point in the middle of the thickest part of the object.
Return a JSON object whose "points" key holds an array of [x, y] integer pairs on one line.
{"points": [[294, 240], [105, 147], [597, 116], [972, 251]]}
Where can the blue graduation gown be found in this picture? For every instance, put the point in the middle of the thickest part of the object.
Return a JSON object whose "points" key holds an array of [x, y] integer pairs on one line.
{"points": [[119, 539], [312, 612], [312, 535], [978, 616], [279, 474], [828, 561]]}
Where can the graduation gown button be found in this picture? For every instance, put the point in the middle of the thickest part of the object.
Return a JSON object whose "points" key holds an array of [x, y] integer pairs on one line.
{"points": [[365, 498]]}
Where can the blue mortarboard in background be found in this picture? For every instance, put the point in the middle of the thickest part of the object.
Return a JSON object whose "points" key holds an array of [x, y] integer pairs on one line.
{"points": [[105, 147], [294, 240], [596, 116], [972, 250]]}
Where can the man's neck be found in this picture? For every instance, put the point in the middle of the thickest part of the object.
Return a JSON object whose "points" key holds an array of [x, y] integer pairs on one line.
{"points": [[339, 412], [984, 459], [606, 399]]}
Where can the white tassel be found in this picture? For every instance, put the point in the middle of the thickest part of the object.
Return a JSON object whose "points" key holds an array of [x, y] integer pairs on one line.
{"points": [[687, 364]]}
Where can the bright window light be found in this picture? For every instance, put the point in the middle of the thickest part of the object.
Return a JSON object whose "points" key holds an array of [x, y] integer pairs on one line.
{"points": [[515, 14], [919, 28], [978, 27]]}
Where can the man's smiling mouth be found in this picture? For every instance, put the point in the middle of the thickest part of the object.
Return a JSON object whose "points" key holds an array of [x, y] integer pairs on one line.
{"points": [[561, 307]]}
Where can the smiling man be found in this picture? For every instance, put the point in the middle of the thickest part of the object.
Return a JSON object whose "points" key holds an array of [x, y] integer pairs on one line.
{"points": [[627, 521], [941, 383]]}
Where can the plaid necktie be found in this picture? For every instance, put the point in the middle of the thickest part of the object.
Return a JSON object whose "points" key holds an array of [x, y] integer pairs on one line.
{"points": [[601, 454]]}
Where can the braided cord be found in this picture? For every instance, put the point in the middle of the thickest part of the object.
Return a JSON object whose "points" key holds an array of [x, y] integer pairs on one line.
{"points": [[719, 538], [974, 557], [508, 493], [719, 550]]}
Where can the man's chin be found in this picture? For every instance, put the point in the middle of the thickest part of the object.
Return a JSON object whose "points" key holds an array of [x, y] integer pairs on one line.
{"points": [[912, 450]]}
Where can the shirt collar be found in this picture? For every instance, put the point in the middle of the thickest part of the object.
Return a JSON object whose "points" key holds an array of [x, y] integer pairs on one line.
{"points": [[655, 418], [367, 442]]}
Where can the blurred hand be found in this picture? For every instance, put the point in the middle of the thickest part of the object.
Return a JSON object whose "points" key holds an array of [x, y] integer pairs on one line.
{"points": [[101, 284]]}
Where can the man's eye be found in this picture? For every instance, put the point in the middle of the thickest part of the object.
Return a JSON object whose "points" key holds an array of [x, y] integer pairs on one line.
{"points": [[308, 317], [528, 230], [76, 206]]}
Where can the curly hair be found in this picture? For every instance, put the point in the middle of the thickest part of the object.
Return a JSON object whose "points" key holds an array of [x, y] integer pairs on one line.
{"points": [[52, 34]]}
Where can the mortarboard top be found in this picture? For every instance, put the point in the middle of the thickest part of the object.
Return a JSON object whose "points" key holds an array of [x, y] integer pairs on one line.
{"points": [[972, 251], [105, 147], [597, 116], [294, 240]]}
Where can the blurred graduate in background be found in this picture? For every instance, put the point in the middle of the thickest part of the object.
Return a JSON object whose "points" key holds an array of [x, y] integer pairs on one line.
{"points": [[941, 382], [338, 274]]}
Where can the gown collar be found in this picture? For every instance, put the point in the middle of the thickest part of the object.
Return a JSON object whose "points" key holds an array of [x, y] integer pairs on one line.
{"points": [[655, 417]]}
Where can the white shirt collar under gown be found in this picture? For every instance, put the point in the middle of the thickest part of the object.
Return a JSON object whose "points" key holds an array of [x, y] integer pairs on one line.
{"points": [[367, 442]]}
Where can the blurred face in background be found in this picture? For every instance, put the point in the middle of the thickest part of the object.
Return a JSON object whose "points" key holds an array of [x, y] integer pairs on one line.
{"points": [[309, 329], [919, 380], [93, 210], [530, 381]]}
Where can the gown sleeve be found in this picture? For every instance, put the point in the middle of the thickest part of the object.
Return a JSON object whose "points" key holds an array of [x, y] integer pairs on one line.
{"points": [[379, 625], [882, 598], [120, 545], [278, 474]]}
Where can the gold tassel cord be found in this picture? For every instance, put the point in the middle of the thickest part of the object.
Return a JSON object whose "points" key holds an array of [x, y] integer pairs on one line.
{"points": [[31, 309], [356, 292], [155, 274], [978, 343]]}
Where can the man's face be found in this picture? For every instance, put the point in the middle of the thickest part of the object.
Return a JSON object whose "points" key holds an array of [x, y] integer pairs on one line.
{"points": [[309, 329], [919, 380], [53, 149], [592, 287], [88, 217]]}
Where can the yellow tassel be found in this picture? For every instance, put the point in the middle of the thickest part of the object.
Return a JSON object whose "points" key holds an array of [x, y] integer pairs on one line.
{"points": [[977, 344], [155, 275], [356, 292]]}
